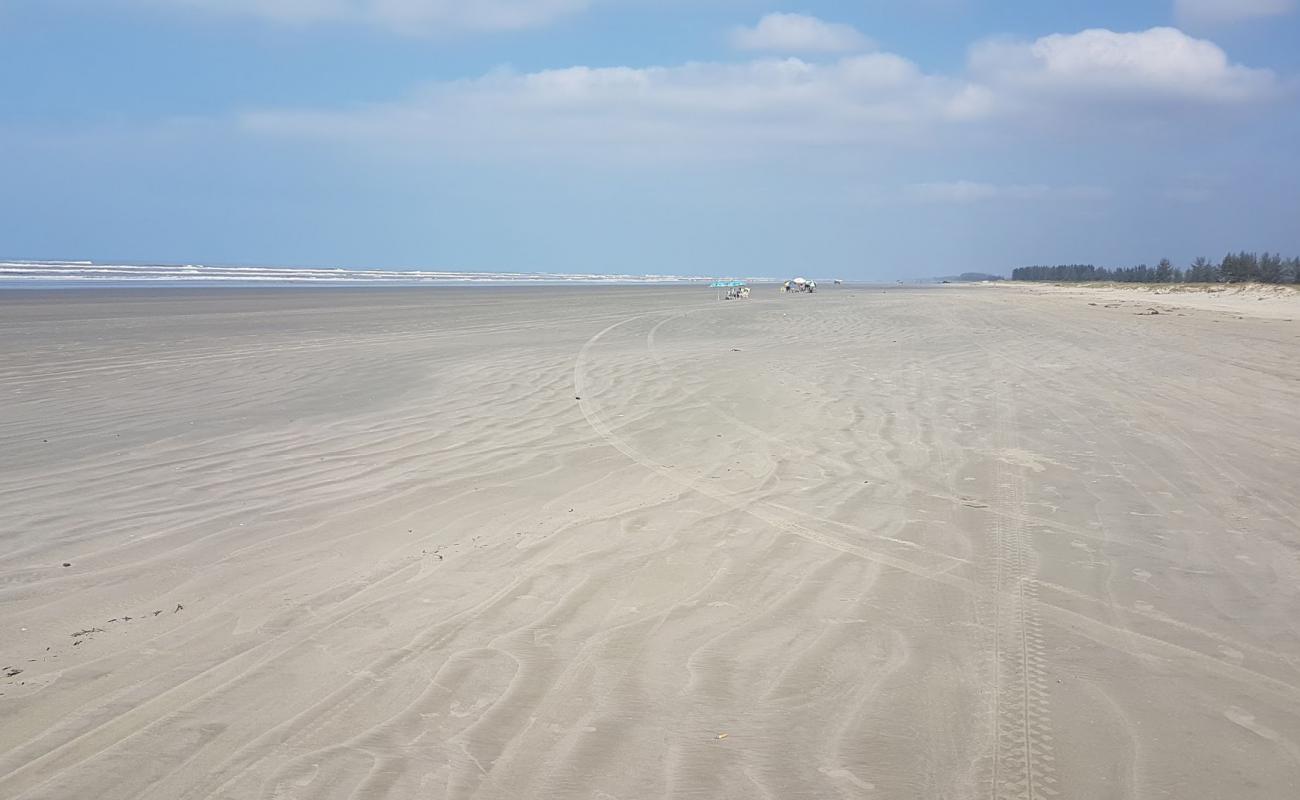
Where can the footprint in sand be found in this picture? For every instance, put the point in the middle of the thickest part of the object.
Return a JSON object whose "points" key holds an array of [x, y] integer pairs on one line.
{"points": [[848, 777], [1231, 653], [1247, 721], [1023, 458]]}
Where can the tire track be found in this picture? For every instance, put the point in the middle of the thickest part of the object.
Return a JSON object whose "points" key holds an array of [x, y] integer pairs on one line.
{"points": [[939, 574], [1022, 765]]}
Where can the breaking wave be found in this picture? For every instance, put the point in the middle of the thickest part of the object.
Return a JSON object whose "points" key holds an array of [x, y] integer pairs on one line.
{"points": [[85, 272]]}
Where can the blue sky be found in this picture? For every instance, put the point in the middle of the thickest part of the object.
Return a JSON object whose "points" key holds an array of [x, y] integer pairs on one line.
{"points": [[875, 139]]}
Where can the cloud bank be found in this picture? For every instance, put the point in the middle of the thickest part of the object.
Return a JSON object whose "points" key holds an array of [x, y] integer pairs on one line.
{"points": [[756, 107], [1158, 64]]}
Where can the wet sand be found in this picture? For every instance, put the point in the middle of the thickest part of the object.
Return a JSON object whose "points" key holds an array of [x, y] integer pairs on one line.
{"points": [[637, 543]]}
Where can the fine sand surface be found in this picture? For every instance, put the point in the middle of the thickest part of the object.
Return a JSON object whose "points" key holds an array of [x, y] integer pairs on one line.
{"points": [[923, 543]]}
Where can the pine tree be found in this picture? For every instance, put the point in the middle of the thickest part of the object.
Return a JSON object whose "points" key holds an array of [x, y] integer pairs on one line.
{"points": [[1271, 268], [1202, 271]]}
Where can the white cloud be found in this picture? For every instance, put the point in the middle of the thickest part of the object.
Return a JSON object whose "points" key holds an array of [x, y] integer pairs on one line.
{"points": [[1220, 11], [706, 108], [871, 103], [799, 33], [1158, 64], [967, 192], [419, 17]]}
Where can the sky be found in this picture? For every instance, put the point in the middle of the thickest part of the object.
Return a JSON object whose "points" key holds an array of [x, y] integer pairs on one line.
{"points": [[865, 139]]}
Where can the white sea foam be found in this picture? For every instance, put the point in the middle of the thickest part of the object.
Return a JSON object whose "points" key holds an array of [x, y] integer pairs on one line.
{"points": [[20, 272]]}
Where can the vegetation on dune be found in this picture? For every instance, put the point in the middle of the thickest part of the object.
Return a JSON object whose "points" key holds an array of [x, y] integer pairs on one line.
{"points": [[1240, 267]]}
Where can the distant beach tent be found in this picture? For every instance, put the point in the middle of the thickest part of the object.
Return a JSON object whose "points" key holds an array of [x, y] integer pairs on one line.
{"points": [[799, 285], [735, 290]]}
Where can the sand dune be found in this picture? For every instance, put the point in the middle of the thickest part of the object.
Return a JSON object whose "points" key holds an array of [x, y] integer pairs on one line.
{"points": [[636, 543], [1270, 301]]}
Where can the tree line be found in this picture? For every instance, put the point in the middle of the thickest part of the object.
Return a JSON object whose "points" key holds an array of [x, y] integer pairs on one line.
{"points": [[1240, 267]]}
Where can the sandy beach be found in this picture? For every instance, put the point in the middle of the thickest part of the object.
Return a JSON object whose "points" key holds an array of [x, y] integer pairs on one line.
{"points": [[636, 543]]}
